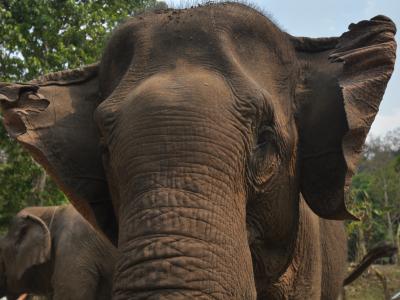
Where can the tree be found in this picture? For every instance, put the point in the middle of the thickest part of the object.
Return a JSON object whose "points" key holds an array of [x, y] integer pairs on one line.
{"points": [[40, 36], [379, 181], [37, 37], [361, 206]]}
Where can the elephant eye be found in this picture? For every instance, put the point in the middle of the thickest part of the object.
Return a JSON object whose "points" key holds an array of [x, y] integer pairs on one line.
{"points": [[264, 159], [265, 134]]}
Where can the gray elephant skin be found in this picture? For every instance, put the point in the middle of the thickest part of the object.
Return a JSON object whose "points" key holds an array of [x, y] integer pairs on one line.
{"points": [[213, 148], [55, 252]]}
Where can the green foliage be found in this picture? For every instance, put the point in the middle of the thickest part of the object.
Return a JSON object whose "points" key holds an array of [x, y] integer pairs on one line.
{"points": [[375, 193], [37, 37]]}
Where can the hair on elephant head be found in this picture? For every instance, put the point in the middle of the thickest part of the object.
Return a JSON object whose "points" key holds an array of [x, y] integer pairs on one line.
{"points": [[205, 128]]}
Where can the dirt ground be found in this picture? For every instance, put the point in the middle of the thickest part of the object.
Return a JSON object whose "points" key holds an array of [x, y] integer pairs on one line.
{"points": [[369, 287], [366, 287]]}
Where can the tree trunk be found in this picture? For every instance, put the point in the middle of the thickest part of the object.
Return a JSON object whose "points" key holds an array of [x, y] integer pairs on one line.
{"points": [[382, 278], [39, 186], [398, 243], [388, 216], [361, 247]]}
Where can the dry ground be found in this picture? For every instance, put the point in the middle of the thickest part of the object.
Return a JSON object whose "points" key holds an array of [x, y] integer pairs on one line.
{"points": [[369, 287]]}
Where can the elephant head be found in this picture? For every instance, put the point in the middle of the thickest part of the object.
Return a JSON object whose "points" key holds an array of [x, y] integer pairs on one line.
{"points": [[203, 127], [27, 244]]}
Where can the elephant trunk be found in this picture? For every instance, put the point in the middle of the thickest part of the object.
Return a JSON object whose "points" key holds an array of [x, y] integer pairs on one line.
{"points": [[181, 193], [177, 244]]}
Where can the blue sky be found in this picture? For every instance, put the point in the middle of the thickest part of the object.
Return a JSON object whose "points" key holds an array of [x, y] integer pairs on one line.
{"points": [[319, 18]]}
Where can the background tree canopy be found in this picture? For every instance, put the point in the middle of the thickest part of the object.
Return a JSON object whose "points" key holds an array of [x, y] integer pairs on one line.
{"points": [[40, 36], [37, 37], [374, 196]]}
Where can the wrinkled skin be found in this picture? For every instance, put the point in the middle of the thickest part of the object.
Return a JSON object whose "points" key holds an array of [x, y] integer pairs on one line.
{"points": [[54, 252], [223, 144]]}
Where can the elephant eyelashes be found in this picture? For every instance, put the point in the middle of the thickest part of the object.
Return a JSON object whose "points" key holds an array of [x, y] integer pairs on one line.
{"points": [[265, 135], [264, 159]]}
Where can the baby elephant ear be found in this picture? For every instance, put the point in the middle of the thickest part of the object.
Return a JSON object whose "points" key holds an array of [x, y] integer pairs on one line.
{"points": [[342, 83], [32, 244]]}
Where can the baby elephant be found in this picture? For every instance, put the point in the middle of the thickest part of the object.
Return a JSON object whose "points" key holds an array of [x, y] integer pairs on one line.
{"points": [[54, 252]]}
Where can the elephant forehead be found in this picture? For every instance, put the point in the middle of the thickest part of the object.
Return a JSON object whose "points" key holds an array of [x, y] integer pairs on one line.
{"points": [[186, 87], [230, 38]]}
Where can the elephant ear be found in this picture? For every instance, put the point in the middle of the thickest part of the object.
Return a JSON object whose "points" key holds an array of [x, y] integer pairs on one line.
{"points": [[30, 245], [53, 118], [342, 83]]}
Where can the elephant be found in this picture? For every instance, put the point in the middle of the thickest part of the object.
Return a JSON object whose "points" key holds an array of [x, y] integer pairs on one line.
{"points": [[54, 252], [213, 148]]}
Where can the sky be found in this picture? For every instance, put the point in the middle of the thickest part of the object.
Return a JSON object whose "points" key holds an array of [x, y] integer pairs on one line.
{"points": [[321, 18]]}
